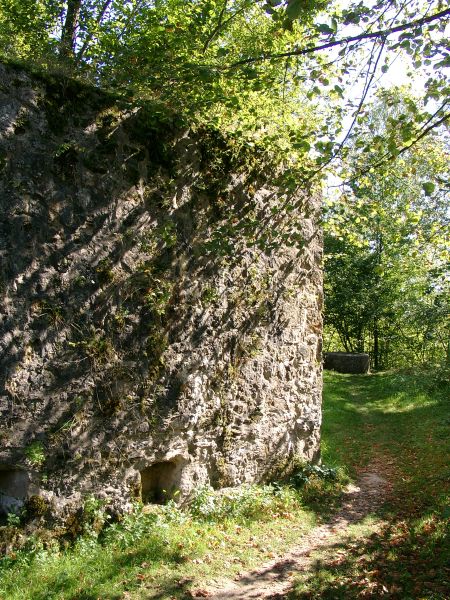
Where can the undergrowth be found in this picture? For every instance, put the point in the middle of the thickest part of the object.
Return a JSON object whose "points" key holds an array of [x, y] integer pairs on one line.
{"points": [[154, 548], [395, 424]]}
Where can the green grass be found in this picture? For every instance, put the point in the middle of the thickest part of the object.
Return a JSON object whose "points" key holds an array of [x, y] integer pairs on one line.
{"points": [[398, 425], [163, 552]]}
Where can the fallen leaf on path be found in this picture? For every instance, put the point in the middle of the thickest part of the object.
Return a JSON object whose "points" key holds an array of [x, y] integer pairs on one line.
{"points": [[200, 593]]}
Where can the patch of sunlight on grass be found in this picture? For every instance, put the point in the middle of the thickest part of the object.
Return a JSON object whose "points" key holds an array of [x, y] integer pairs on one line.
{"points": [[398, 423], [364, 527], [146, 555]]}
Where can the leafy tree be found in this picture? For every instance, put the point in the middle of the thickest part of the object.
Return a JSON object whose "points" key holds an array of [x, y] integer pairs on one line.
{"points": [[173, 51], [386, 247], [262, 68]]}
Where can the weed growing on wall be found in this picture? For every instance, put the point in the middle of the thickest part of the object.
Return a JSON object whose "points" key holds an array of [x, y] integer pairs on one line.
{"points": [[35, 453]]}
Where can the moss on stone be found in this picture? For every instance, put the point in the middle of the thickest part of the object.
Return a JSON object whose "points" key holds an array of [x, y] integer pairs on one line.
{"points": [[36, 506]]}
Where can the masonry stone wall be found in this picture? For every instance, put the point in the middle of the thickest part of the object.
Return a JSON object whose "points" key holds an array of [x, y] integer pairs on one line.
{"points": [[161, 300]]}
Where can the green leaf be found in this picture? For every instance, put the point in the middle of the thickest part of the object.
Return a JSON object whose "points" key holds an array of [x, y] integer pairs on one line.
{"points": [[351, 17], [294, 9], [324, 28], [222, 52], [428, 187], [378, 269], [302, 145]]}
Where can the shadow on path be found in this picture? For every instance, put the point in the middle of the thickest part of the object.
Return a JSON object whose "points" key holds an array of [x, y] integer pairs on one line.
{"points": [[274, 579]]}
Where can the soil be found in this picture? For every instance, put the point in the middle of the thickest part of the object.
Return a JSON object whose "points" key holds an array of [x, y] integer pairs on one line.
{"points": [[273, 580]]}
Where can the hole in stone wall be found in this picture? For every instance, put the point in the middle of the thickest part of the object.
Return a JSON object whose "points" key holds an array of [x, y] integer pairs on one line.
{"points": [[14, 485], [160, 482]]}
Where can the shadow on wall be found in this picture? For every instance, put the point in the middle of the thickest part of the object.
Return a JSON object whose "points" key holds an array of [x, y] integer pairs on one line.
{"points": [[114, 230], [161, 481]]}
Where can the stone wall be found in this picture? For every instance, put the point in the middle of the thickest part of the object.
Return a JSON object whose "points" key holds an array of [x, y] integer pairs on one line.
{"points": [[161, 300]]}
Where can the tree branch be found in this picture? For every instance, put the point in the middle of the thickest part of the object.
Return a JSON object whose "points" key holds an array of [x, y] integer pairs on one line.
{"points": [[88, 39], [216, 28], [369, 78], [388, 157], [344, 41], [425, 132]]}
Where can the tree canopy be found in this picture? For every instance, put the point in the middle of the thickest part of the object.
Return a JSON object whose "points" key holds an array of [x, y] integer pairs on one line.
{"points": [[386, 248], [280, 71]]}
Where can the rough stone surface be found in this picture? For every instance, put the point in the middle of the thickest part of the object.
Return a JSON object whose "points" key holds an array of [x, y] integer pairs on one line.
{"points": [[346, 362], [149, 314]]}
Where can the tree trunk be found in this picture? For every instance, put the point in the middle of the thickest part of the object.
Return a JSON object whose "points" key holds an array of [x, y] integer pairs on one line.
{"points": [[376, 349], [69, 32]]}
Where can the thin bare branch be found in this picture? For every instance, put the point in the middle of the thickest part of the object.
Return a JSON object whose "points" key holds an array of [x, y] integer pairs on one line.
{"points": [[217, 28], [367, 84], [390, 157], [88, 39]]}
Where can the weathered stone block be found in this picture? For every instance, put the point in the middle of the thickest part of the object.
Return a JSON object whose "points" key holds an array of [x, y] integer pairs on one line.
{"points": [[347, 362]]}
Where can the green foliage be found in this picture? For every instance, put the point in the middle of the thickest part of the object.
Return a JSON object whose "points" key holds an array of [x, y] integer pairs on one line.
{"points": [[391, 422], [242, 504], [385, 268], [259, 69], [178, 55], [35, 453], [153, 548], [52, 310], [13, 520], [209, 295], [104, 271], [98, 348], [26, 27], [158, 295], [93, 517], [303, 475], [35, 506]]}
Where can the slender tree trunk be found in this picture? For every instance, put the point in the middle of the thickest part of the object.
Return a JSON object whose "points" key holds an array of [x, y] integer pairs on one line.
{"points": [[69, 31], [346, 341], [376, 348], [376, 344], [360, 342]]}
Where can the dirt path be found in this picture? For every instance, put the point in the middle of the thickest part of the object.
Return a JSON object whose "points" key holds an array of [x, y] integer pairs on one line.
{"points": [[274, 579]]}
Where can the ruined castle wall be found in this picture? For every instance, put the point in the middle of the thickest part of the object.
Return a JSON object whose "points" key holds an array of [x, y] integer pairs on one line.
{"points": [[161, 299]]}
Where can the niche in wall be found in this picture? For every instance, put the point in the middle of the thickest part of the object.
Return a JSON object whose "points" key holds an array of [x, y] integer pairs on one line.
{"points": [[14, 484], [160, 481]]}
